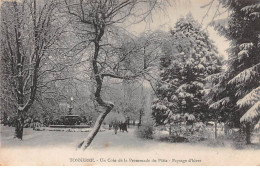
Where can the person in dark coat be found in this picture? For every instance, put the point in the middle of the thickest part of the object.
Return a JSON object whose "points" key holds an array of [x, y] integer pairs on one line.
{"points": [[115, 126], [123, 126]]}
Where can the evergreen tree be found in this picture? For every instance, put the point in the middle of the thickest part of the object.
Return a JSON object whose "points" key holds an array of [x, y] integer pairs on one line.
{"points": [[189, 57], [238, 87]]}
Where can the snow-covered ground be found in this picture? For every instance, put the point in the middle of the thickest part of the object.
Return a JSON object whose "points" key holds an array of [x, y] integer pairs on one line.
{"points": [[103, 139], [59, 148]]}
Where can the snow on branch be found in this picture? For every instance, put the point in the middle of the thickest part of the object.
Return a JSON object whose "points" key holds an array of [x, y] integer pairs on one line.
{"points": [[159, 106], [257, 126], [183, 88], [243, 54], [246, 75], [198, 84], [246, 46], [251, 98], [251, 8], [252, 113], [255, 14], [218, 104], [214, 77]]}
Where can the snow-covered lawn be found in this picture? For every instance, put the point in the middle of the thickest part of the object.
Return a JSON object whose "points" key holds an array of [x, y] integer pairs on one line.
{"points": [[59, 148], [103, 139]]}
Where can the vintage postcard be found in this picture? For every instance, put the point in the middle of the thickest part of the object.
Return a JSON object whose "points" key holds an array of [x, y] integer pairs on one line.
{"points": [[130, 83]]}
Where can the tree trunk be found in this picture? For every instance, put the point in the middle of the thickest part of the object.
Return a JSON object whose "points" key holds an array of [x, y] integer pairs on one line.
{"points": [[85, 143], [248, 133], [5, 119], [170, 130], [226, 128], [216, 129], [140, 119], [99, 32], [19, 125]]}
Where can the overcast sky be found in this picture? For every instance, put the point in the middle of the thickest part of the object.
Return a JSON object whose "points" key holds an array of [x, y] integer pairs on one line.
{"points": [[164, 20]]}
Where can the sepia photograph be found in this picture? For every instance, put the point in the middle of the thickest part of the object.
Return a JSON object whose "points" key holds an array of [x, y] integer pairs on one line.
{"points": [[130, 83]]}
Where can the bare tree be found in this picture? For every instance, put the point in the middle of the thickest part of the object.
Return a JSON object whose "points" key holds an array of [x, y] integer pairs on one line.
{"points": [[98, 23], [27, 32]]}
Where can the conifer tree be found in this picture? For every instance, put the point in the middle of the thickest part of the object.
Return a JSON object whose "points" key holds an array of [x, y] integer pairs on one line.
{"points": [[237, 88], [189, 57]]}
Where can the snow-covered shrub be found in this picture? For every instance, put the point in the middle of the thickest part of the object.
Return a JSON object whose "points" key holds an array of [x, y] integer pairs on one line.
{"points": [[145, 131], [193, 133], [219, 142], [182, 132], [160, 131]]}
